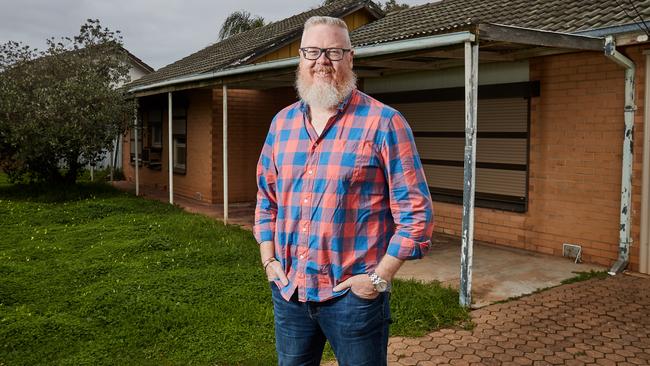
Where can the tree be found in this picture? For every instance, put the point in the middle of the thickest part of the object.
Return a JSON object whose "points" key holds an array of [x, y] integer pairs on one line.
{"points": [[239, 21], [392, 5], [60, 108], [389, 7]]}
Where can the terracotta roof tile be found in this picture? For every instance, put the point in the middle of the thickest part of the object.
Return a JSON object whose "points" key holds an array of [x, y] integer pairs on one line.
{"points": [[240, 48], [552, 15]]}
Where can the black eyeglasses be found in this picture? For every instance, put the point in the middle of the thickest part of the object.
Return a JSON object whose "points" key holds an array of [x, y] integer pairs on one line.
{"points": [[333, 54]]}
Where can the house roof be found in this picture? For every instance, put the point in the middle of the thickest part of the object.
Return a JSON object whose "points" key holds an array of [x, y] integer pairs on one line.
{"points": [[563, 16], [246, 46], [567, 16], [136, 60]]}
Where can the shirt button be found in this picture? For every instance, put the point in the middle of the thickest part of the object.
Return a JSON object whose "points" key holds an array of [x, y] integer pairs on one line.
{"points": [[310, 172], [305, 200], [302, 256], [304, 229]]}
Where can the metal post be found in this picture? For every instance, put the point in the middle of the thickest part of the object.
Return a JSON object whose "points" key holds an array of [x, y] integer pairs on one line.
{"points": [[171, 147], [471, 94], [111, 166], [135, 149], [225, 153], [644, 248], [92, 173]]}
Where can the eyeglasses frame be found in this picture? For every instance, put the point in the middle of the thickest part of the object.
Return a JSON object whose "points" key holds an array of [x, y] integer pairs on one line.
{"points": [[323, 51]]}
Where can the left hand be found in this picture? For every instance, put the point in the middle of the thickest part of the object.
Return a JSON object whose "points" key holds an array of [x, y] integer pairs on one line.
{"points": [[360, 285]]}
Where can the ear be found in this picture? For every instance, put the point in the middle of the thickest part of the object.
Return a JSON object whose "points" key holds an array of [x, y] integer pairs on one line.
{"points": [[351, 58]]}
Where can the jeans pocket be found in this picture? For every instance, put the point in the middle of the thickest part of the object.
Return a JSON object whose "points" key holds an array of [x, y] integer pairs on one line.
{"points": [[359, 298]]}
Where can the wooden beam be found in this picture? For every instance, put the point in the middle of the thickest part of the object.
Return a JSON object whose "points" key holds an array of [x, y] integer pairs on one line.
{"points": [[493, 32], [440, 65], [538, 52], [459, 54]]}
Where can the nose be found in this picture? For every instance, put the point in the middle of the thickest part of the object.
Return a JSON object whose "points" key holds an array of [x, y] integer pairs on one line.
{"points": [[322, 59]]}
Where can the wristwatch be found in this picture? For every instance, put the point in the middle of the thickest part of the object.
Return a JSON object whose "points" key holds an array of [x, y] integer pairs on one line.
{"points": [[380, 284]]}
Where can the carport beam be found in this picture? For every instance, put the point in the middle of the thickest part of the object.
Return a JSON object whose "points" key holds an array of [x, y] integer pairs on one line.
{"points": [[467, 235], [171, 152], [225, 153]]}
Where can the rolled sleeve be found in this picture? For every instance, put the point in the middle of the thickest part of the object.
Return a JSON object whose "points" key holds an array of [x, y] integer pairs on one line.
{"points": [[266, 208], [410, 200]]}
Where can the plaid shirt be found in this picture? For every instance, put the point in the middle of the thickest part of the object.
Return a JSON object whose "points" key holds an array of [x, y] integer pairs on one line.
{"points": [[334, 204]]}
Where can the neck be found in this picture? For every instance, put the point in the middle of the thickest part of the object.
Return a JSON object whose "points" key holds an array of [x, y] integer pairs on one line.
{"points": [[322, 110]]}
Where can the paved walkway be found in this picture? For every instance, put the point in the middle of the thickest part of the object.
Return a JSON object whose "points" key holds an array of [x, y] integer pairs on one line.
{"points": [[596, 322]]}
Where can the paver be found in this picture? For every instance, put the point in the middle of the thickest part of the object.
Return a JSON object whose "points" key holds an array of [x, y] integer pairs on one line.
{"points": [[596, 322]]}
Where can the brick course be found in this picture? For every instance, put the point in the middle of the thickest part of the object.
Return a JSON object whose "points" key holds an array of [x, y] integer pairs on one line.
{"points": [[249, 117]]}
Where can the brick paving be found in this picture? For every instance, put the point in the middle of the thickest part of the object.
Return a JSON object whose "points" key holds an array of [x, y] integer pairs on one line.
{"points": [[596, 322]]}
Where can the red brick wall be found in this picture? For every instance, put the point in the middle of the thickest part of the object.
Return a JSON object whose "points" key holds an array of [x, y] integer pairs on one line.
{"points": [[196, 182], [249, 116], [575, 163]]}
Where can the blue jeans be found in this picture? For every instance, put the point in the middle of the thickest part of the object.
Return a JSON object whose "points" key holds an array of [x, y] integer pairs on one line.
{"points": [[356, 328]]}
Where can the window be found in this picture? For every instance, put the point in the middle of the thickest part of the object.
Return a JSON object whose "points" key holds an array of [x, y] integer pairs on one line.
{"points": [[179, 136], [155, 128], [437, 118], [180, 154], [154, 139], [132, 141]]}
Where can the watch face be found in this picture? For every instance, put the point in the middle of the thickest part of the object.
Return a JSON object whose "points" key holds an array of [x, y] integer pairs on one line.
{"points": [[381, 286]]}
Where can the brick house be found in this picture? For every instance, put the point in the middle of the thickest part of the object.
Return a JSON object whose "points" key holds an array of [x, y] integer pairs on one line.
{"points": [[550, 167]]}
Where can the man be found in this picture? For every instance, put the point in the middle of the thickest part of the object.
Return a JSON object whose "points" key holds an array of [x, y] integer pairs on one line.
{"points": [[342, 202]]}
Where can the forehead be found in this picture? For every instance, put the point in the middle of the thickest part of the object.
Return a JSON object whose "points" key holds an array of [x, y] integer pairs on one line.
{"points": [[324, 35]]}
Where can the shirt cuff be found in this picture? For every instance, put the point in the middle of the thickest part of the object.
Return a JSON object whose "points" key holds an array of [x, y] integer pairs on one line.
{"points": [[405, 248]]}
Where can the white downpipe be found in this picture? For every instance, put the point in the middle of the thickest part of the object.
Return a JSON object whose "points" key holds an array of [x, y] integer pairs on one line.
{"points": [[644, 248], [625, 224], [135, 148], [171, 147], [225, 153]]}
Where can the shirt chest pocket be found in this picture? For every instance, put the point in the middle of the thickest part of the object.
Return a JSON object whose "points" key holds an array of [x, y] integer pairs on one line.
{"points": [[356, 160]]}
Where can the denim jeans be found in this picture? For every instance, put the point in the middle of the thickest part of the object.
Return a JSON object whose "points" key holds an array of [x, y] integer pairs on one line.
{"points": [[356, 328]]}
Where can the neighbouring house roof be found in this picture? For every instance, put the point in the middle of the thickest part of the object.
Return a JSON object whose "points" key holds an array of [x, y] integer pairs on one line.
{"points": [[567, 16], [244, 47], [137, 61]]}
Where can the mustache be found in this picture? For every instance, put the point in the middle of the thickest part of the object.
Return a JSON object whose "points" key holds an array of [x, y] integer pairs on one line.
{"points": [[324, 68]]}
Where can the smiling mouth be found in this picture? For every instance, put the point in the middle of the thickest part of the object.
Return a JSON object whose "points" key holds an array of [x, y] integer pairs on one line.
{"points": [[323, 74]]}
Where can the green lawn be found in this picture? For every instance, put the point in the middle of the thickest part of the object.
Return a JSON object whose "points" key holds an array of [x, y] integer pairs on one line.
{"points": [[93, 276]]}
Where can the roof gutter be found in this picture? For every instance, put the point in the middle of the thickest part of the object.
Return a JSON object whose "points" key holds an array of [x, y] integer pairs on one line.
{"points": [[617, 29], [626, 174], [361, 52]]}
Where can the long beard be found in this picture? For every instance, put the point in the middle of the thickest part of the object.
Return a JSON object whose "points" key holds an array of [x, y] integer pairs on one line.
{"points": [[325, 95]]}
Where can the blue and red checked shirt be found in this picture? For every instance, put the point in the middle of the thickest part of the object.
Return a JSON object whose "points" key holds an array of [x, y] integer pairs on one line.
{"points": [[335, 204]]}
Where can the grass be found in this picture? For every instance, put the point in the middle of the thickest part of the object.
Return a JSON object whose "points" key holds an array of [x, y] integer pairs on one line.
{"points": [[90, 275], [584, 276]]}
